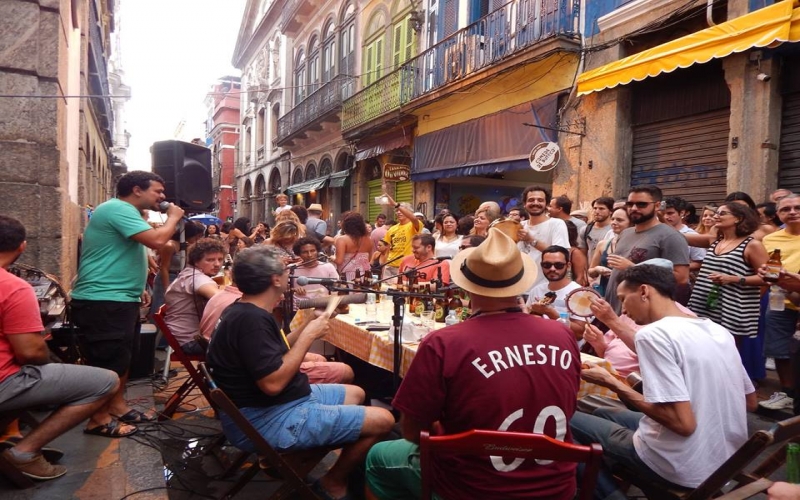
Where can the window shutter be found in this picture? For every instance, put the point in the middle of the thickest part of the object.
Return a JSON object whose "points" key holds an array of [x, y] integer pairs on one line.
{"points": [[399, 44]]}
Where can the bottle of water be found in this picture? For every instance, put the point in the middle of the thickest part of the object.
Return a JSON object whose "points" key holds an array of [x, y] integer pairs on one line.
{"points": [[451, 318], [563, 318], [776, 298], [372, 308]]}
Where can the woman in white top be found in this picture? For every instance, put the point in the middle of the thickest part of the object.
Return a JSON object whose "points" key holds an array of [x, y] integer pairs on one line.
{"points": [[448, 241]]}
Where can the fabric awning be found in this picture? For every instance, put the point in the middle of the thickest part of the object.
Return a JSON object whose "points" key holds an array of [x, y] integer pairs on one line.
{"points": [[375, 147], [338, 179], [304, 187], [776, 23], [473, 170]]}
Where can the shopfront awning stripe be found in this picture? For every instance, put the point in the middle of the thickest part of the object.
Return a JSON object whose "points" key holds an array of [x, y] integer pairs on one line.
{"points": [[776, 23], [305, 187], [338, 179], [473, 170]]}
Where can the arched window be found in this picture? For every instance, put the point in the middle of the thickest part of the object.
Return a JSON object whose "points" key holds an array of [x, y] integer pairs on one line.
{"points": [[311, 171], [313, 66], [374, 47], [325, 168], [300, 77], [329, 53], [275, 181], [347, 44], [297, 177]]}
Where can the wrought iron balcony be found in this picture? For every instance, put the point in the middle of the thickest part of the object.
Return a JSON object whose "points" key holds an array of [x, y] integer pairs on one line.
{"points": [[98, 72], [314, 108], [507, 31]]}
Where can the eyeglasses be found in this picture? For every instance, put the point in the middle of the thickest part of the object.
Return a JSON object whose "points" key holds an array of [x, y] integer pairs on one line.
{"points": [[639, 204], [557, 265], [722, 213], [462, 247]]}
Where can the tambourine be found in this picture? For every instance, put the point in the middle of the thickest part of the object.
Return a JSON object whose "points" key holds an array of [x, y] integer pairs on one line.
{"points": [[579, 301]]}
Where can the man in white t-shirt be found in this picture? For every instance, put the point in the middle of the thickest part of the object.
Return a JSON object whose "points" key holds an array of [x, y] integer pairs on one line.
{"points": [[555, 266], [540, 231], [692, 416]]}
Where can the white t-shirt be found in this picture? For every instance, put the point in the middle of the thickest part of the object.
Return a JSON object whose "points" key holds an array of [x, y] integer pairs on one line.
{"points": [[552, 232], [688, 359], [695, 253], [560, 304], [447, 249]]}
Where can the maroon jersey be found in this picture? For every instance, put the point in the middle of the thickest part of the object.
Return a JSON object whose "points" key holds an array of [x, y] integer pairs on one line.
{"points": [[510, 372]]}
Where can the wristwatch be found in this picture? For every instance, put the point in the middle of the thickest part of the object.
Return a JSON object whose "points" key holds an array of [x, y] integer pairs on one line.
{"points": [[742, 280]]}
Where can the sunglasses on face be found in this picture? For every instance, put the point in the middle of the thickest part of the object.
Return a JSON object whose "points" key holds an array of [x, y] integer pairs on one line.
{"points": [[462, 247], [639, 204], [557, 265], [722, 213]]}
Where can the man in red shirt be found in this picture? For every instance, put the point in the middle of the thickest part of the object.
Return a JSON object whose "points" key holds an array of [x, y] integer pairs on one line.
{"points": [[499, 370], [27, 378], [421, 263]]}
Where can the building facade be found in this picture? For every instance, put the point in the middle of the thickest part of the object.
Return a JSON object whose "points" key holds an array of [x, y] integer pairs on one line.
{"points": [[56, 145], [222, 136]]}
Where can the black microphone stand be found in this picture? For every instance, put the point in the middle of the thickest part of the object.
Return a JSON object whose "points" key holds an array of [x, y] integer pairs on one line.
{"points": [[398, 300]]}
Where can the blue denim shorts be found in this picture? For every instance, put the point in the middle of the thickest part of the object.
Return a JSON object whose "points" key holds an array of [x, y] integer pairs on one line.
{"points": [[779, 327], [319, 419]]}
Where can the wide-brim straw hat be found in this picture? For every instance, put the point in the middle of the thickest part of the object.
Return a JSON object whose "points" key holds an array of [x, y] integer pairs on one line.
{"points": [[509, 226], [495, 268], [315, 207]]}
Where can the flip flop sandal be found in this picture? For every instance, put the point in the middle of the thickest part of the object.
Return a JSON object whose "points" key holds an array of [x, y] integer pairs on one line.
{"points": [[110, 430], [136, 417], [322, 493], [52, 455]]}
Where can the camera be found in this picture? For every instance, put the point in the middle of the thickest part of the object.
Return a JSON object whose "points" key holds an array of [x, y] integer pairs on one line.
{"points": [[763, 77]]}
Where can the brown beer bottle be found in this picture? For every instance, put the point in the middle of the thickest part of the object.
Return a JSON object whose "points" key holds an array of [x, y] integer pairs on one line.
{"points": [[774, 266], [455, 303], [440, 308]]}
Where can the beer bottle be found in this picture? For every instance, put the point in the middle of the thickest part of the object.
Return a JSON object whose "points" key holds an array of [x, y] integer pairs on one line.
{"points": [[455, 303], [774, 266], [440, 308], [343, 308], [357, 279], [793, 463]]}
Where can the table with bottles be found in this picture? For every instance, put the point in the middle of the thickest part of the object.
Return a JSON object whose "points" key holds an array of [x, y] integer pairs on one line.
{"points": [[377, 347]]}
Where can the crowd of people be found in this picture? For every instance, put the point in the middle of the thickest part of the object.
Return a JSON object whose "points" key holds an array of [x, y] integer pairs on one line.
{"points": [[679, 299]]}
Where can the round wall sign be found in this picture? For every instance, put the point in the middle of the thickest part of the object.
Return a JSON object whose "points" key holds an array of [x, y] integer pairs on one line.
{"points": [[544, 156]]}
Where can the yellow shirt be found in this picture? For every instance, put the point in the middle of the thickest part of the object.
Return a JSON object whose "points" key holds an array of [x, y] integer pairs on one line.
{"points": [[790, 252], [399, 237]]}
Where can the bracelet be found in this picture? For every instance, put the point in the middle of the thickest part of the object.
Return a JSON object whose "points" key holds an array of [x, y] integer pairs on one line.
{"points": [[397, 205]]}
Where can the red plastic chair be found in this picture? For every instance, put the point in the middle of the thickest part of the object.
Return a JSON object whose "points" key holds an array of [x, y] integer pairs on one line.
{"points": [[194, 381], [512, 444]]}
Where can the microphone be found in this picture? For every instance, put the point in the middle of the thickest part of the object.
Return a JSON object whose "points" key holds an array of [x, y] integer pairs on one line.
{"points": [[163, 207], [305, 280]]}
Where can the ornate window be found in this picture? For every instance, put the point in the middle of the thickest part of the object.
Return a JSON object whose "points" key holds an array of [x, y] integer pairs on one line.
{"points": [[313, 66], [325, 168], [329, 53], [374, 48], [300, 77], [311, 171], [403, 36], [297, 177], [347, 41]]}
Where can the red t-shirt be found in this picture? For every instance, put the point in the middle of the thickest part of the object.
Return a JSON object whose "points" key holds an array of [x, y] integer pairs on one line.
{"points": [[428, 269], [511, 371], [19, 313]]}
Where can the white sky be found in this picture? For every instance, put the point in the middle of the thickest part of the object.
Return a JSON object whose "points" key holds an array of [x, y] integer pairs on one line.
{"points": [[173, 51]]}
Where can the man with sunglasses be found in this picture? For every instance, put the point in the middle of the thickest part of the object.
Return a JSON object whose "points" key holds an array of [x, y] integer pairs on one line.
{"points": [[648, 239], [555, 264]]}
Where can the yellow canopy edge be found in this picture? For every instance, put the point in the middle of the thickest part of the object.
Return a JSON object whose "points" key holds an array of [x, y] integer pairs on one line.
{"points": [[776, 23]]}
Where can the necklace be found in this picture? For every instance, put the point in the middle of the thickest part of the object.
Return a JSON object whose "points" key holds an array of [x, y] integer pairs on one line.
{"points": [[730, 245]]}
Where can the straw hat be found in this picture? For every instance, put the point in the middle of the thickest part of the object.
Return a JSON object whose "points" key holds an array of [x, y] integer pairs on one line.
{"points": [[509, 226], [495, 268], [315, 207]]}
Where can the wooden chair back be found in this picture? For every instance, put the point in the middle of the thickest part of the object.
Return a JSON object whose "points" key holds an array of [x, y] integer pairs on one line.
{"points": [[289, 467], [512, 444]]}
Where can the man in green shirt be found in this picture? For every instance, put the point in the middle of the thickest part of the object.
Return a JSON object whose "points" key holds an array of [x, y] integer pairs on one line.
{"points": [[110, 287]]}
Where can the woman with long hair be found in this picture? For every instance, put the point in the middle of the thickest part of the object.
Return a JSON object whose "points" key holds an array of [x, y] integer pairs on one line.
{"points": [[768, 215], [447, 242], [290, 216], [212, 231], [283, 237], [599, 265], [727, 287], [706, 219], [481, 223], [577, 260], [353, 246]]}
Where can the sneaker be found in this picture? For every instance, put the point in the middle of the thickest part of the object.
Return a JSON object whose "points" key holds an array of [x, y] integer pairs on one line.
{"points": [[770, 364], [778, 401], [35, 468]]}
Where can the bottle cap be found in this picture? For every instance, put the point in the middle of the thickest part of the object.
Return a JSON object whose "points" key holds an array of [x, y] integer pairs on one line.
{"points": [[563, 315]]}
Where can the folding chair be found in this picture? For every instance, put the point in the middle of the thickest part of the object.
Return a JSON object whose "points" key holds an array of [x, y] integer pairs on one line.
{"points": [[291, 468], [195, 380], [732, 470], [512, 444], [7, 469]]}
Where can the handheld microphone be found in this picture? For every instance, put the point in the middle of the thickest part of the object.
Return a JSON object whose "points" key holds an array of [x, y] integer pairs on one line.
{"points": [[163, 207], [305, 280]]}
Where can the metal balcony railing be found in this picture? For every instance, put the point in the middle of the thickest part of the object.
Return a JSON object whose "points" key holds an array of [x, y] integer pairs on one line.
{"points": [[324, 100], [508, 30], [99, 78]]}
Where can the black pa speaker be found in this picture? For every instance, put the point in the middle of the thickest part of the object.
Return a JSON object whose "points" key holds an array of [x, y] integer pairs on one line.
{"points": [[186, 169]]}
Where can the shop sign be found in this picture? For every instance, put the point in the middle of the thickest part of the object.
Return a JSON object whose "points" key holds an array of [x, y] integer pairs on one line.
{"points": [[544, 156], [396, 172]]}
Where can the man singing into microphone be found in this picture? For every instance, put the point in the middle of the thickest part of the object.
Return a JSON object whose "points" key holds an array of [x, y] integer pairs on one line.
{"points": [[423, 262], [308, 249]]}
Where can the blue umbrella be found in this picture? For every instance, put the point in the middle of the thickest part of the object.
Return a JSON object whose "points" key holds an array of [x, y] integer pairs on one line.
{"points": [[206, 219]]}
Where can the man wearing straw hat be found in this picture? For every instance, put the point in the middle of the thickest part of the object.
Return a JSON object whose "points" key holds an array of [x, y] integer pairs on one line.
{"points": [[500, 369]]}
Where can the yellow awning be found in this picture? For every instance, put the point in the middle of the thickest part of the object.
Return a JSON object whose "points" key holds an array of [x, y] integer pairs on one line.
{"points": [[776, 23]]}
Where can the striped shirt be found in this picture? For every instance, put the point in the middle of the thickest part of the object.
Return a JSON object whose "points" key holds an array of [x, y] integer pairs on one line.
{"points": [[737, 306]]}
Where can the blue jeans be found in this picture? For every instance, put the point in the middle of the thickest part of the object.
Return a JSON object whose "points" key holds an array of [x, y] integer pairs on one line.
{"points": [[319, 419], [613, 429]]}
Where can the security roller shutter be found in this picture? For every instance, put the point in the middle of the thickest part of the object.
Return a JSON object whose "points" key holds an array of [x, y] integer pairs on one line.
{"points": [[789, 153], [686, 157], [404, 192], [680, 125], [375, 189]]}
